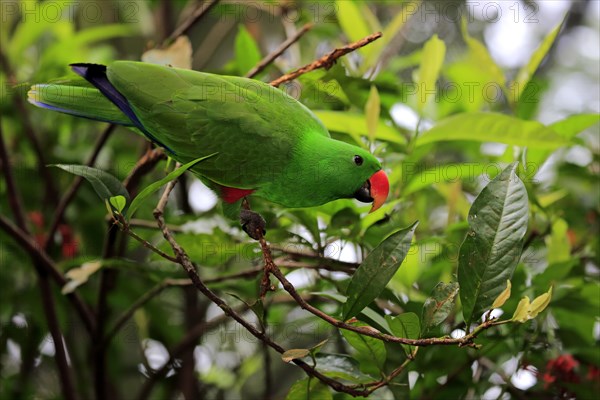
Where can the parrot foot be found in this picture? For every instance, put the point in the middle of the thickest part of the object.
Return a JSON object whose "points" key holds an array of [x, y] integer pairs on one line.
{"points": [[252, 222]]}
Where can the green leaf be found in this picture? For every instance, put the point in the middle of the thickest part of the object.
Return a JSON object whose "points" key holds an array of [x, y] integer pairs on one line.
{"points": [[493, 127], [405, 325], [247, 53], [309, 389], [426, 76], [567, 129], [352, 22], [574, 124], [105, 185], [118, 202], [372, 110], [479, 56], [439, 305], [522, 312], [294, 354], [376, 270], [502, 297], [356, 125], [374, 318], [526, 310], [370, 348], [156, 185], [540, 303], [527, 71], [489, 254], [464, 172], [557, 243], [389, 33], [340, 366]]}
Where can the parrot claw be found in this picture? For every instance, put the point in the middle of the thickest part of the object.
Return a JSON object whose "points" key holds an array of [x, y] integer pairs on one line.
{"points": [[253, 223]]}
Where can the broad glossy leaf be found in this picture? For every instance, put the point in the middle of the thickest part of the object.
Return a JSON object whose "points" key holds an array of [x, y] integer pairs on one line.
{"points": [[157, 185], [356, 125], [376, 270], [493, 127], [405, 325], [247, 53], [426, 76], [370, 348], [488, 256], [105, 185], [309, 389], [341, 366], [439, 305], [527, 71]]}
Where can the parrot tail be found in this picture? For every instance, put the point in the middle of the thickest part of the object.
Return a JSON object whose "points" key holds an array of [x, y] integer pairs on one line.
{"points": [[73, 99], [103, 102]]}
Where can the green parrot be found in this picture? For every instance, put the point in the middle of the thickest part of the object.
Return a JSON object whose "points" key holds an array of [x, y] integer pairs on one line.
{"points": [[267, 144]]}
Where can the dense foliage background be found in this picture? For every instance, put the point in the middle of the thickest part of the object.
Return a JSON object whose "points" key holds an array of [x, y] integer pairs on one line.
{"points": [[451, 95]]}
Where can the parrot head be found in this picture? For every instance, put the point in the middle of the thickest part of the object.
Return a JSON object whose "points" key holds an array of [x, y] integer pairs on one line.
{"points": [[341, 170]]}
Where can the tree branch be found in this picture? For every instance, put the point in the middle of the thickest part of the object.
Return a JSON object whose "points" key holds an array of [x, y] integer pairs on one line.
{"points": [[187, 265], [196, 15], [327, 60], [258, 68], [146, 297], [42, 269]]}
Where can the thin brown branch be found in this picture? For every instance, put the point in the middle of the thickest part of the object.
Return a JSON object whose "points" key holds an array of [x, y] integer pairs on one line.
{"points": [[108, 277], [189, 268], [127, 229], [145, 224], [466, 340], [75, 185], [327, 60], [258, 68], [43, 269], [38, 255], [201, 10], [139, 303]]}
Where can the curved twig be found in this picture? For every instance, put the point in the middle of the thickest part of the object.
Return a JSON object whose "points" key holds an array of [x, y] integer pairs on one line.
{"points": [[327, 60]]}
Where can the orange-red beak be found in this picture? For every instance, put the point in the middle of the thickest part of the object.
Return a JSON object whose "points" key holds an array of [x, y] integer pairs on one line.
{"points": [[380, 187], [375, 190]]}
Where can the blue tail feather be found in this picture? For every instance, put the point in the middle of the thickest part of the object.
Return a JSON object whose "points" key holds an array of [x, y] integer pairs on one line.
{"points": [[96, 75]]}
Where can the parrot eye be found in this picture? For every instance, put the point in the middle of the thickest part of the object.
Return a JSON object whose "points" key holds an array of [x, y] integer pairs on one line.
{"points": [[358, 160]]}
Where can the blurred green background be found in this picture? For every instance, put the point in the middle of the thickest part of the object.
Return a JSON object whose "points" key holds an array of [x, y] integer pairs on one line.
{"points": [[528, 60]]}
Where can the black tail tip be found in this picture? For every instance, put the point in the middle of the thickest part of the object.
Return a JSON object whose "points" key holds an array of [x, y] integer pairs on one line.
{"points": [[86, 69]]}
